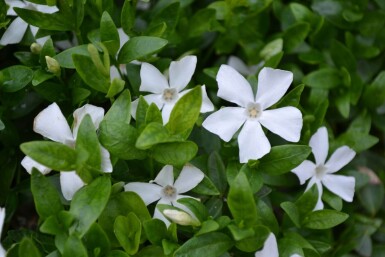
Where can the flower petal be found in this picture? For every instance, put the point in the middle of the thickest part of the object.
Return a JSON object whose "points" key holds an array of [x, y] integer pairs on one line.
{"points": [[339, 159], [106, 161], [159, 215], [96, 113], [123, 38], [13, 3], [166, 112], [304, 171], [45, 8], [28, 163], [253, 144], [156, 99], [152, 80], [51, 124], [270, 247], [314, 180], [239, 65], [114, 72], [319, 144], [207, 105], [233, 87], [343, 186], [70, 183], [225, 122], [165, 176], [272, 85], [189, 178], [285, 122], [14, 33], [2, 218], [134, 107], [181, 71], [147, 191]]}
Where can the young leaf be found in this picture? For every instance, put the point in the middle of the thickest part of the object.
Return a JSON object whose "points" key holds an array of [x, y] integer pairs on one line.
{"points": [[51, 154], [120, 110], [128, 230], [109, 34], [28, 248], [128, 16], [139, 47], [153, 134], [74, 247]]}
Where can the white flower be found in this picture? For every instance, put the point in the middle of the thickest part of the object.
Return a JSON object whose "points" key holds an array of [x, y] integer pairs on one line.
{"points": [[270, 248], [16, 30], [166, 92], [51, 124], [2, 218], [166, 190], [272, 85], [241, 67], [321, 172]]}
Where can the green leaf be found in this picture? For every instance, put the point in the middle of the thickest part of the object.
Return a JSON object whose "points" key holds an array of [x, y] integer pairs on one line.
{"points": [[195, 206], [241, 201], [140, 47], [74, 247], [325, 78], [119, 139], [209, 245], [342, 57], [254, 242], [324, 219], [120, 110], [375, 92], [155, 230], [343, 104], [292, 98], [153, 134], [58, 224], [185, 112], [14, 78], [372, 197], [282, 159], [46, 197], [291, 211], [117, 85], [167, 17], [51, 154], [153, 114], [65, 58], [90, 74], [267, 216], [295, 35], [39, 76], [177, 153], [109, 34], [28, 248], [128, 16], [307, 202], [206, 187], [48, 49], [207, 227], [217, 172], [89, 202], [96, 240], [87, 142], [55, 21], [128, 230], [240, 233], [141, 112]]}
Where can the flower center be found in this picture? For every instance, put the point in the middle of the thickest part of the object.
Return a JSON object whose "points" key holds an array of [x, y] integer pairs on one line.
{"points": [[320, 171], [169, 94], [169, 191], [253, 110]]}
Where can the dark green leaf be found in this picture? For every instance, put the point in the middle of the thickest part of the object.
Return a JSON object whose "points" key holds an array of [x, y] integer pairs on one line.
{"points": [[96, 240], [217, 172], [14, 78], [55, 21], [128, 16], [292, 211], [74, 247], [28, 248], [326, 78], [65, 58], [139, 47], [177, 153], [324, 219], [109, 34]]}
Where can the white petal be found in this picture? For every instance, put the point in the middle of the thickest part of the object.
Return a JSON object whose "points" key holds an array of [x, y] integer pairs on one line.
{"points": [[233, 87], [2, 218], [123, 38], [156, 99], [114, 72], [304, 171], [28, 163], [319, 144], [339, 159], [147, 191], [165, 176], [134, 107], [253, 144], [270, 248], [272, 85], [181, 71], [41, 41], [343, 186], [14, 33], [314, 180], [45, 8], [225, 122], [295, 255], [166, 112], [151, 79], [189, 178], [70, 183], [51, 124], [207, 105], [13, 3], [184, 207], [239, 65], [159, 215], [285, 122], [106, 161], [96, 113]]}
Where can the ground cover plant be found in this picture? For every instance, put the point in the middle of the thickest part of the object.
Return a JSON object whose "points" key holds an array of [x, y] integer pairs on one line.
{"points": [[192, 128]]}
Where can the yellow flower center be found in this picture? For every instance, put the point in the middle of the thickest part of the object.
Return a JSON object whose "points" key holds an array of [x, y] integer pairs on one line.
{"points": [[254, 110], [169, 191], [169, 94]]}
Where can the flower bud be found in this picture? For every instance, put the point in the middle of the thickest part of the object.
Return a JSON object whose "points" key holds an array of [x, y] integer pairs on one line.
{"points": [[53, 65], [35, 48], [180, 217]]}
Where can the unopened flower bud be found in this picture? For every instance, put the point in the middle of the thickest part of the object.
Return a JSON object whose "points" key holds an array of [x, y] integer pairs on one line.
{"points": [[35, 48], [53, 65], [180, 217]]}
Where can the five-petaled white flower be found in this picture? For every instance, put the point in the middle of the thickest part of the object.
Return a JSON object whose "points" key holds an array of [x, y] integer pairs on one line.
{"points": [[241, 67], [2, 218], [166, 92], [16, 30], [52, 124], [272, 85], [270, 248], [166, 190], [321, 172]]}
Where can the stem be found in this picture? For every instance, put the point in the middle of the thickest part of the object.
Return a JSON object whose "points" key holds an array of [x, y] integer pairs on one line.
{"points": [[78, 34]]}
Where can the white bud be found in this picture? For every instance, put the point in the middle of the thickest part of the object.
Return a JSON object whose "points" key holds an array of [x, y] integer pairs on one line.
{"points": [[53, 65], [181, 217]]}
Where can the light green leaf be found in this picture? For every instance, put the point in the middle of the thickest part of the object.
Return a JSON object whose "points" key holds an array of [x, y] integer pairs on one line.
{"points": [[139, 47], [292, 211], [153, 134], [109, 34], [128, 16], [128, 230], [177, 153], [325, 78], [120, 110], [324, 219], [74, 247], [96, 240], [155, 230], [65, 58], [28, 248], [295, 35]]}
